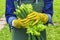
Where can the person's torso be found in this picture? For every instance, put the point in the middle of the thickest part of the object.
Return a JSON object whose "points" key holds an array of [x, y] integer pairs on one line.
{"points": [[37, 4]]}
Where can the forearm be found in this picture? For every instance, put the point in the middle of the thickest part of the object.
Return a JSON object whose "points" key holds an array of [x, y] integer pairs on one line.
{"points": [[10, 16], [48, 7]]}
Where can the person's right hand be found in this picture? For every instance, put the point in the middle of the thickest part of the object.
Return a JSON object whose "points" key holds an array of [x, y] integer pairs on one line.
{"points": [[17, 23]]}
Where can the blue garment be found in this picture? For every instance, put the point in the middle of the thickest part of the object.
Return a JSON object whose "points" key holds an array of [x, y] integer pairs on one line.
{"points": [[48, 7], [10, 16]]}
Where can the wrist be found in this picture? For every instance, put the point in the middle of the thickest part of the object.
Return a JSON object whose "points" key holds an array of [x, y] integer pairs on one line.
{"points": [[10, 20], [13, 23], [49, 18]]}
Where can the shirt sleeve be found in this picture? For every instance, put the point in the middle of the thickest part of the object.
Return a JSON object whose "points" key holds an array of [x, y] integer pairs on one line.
{"points": [[48, 7], [9, 14]]}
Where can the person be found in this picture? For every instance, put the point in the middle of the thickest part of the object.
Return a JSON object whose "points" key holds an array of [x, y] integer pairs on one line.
{"points": [[20, 34]]}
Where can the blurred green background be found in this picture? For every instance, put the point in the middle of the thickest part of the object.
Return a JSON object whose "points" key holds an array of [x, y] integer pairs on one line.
{"points": [[2, 7], [53, 33]]}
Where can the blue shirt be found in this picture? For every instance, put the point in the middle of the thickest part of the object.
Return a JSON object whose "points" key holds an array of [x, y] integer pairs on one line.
{"points": [[10, 16]]}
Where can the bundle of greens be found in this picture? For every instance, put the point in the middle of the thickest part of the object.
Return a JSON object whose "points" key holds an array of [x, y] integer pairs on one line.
{"points": [[34, 30], [23, 10]]}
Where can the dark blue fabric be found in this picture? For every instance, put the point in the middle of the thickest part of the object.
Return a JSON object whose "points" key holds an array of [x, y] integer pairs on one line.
{"points": [[9, 9], [48, 9]]}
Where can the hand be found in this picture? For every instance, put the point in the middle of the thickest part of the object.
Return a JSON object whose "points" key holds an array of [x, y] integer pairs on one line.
{"points": [[17, 23], [38, 17]]}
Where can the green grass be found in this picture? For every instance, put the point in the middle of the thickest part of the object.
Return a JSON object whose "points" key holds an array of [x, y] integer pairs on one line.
{"points": [[2, 7], [5, 34], [53, 33]]}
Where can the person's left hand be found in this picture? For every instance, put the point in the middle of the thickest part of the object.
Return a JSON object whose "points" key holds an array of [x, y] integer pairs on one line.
{"points": [[38, 16]]}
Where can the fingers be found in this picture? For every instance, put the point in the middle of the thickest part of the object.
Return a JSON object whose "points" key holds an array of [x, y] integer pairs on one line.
{"points": [[33, 14], [22, 20], [26, 21], [36, 20]]}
